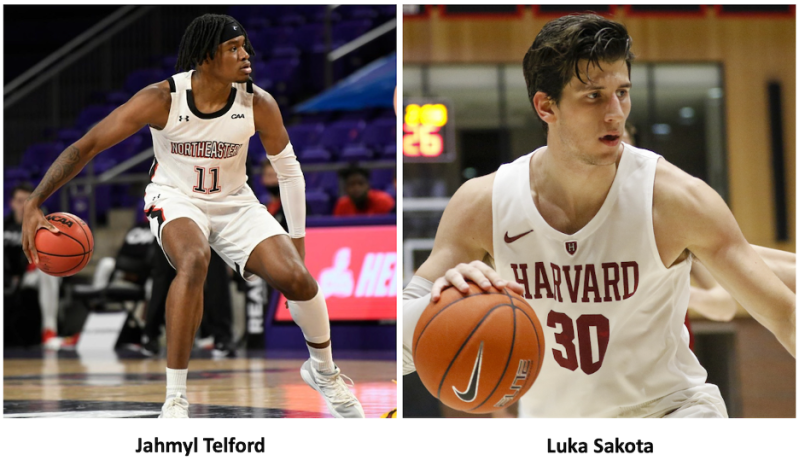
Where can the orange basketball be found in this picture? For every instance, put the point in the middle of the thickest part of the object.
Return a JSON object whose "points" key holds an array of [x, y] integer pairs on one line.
{"points": [[480, 352], [68, 252]]}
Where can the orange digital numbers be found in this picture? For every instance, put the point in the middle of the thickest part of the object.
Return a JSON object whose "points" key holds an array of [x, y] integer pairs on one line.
{"points": [[423, 128]]}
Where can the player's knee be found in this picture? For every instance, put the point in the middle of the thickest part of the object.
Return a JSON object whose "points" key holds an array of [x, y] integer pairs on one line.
{"points": [[301, 287], [193, 264]]}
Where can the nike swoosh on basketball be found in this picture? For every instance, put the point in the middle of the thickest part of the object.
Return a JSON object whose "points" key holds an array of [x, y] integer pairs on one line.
{"points": [[510, 239], [471, 391]]}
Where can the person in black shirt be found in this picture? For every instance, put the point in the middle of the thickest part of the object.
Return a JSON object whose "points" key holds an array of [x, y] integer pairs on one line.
{"points": [[18, 274]]}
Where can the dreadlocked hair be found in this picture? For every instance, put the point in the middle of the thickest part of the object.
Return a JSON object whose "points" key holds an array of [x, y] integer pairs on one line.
{"points": [[201, 40]]}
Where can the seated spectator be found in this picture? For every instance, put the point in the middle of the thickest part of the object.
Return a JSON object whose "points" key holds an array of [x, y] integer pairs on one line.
{"points": [[359, 198], [19, 274]]}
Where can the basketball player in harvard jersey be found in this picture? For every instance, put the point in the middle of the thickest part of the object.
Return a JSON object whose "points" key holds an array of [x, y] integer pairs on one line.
{"points": [[201, 121], [599, 237]]}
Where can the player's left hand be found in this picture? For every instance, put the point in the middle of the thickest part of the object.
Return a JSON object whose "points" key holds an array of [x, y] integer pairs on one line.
{"points": [[299, 243]]}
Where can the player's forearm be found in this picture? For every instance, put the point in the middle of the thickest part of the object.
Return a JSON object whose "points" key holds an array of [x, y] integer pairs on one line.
{"points": [[292, 189], [415, 298], [782, 324], [65, 167]]}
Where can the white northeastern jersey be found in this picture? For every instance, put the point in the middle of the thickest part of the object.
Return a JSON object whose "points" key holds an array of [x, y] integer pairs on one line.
{"points": [[204, 155], [613, 315]]}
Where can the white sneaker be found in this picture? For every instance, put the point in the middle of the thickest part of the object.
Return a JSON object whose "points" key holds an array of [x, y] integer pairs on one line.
{"points": [[174, 407], [335, 391]]}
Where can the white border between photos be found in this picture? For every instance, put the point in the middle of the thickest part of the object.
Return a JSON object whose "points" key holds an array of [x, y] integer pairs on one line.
{"points": [[420, 441]]}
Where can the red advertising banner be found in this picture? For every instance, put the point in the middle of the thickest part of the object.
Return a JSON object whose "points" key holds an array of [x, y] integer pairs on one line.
{"points": [[356, 268]]}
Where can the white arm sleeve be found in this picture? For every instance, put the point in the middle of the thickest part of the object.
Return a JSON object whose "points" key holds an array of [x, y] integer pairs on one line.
{"points": [[415, 298], [292, 189]]}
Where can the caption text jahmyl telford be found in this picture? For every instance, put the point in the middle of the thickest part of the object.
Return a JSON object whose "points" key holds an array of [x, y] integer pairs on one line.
{"points": [[211, 445]]}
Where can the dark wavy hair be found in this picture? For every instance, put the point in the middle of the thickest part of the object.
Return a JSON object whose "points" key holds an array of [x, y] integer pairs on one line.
{"points": [[202, 38], [554, 58]]}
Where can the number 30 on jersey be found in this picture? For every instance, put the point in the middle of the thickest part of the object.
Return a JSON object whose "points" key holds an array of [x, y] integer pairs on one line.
{"points": [[593, 333]]}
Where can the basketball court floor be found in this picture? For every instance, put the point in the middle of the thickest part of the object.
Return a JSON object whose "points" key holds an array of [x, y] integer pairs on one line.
{"points": [[39, 383]]}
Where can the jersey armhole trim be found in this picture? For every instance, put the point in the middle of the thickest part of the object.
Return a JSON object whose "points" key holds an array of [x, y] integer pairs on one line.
{"points": [[172, 87], [249, 86]]}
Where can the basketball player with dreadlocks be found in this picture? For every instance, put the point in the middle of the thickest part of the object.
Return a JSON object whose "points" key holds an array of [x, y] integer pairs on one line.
{"points": [[201, 121]]}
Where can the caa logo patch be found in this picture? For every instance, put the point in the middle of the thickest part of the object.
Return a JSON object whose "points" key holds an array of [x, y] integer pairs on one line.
{"points": [[237, 116]]}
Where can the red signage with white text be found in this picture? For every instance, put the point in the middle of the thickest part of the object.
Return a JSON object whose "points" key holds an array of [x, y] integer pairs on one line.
{"points": [[356, 268]]}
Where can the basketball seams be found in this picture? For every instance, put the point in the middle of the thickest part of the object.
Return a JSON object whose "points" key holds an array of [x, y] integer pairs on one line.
{"points": [[541, 350], [71, 233], [60, 255], [89, 241], [69, 255], [413, 353], [538, 338], [463, 345], [507, 362]]}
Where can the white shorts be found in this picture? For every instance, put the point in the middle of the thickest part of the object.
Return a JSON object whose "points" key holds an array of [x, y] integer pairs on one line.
{"points": [[700, 401], [233, 225]]}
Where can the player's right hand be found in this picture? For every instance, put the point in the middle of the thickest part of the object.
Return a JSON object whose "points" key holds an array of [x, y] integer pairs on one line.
{"points": [[476, 271], [32, 220]]}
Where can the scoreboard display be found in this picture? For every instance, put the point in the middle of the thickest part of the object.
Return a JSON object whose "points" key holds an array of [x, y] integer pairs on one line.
{"points": [[428, 131]]}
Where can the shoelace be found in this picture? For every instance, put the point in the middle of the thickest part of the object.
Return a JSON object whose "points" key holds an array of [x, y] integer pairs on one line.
{"points": [[176, 404], [337, 389]]}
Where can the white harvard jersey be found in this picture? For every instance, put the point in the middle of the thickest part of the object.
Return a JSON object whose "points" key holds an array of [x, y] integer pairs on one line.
{"points": [[613, 315], [203, 154]]}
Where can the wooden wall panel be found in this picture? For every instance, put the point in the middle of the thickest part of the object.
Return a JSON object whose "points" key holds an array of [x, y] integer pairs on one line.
{"points": [[753, 51]]}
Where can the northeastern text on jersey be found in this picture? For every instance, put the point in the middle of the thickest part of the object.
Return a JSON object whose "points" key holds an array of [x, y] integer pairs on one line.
{"points": [[206, 149]]}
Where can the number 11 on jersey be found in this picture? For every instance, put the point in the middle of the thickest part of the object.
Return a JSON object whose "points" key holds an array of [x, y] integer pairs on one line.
{"points": [[200, 186]]}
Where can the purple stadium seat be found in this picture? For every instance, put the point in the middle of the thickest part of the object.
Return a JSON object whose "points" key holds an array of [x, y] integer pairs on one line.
{"points": [[146, 141], [91, 115], [318, 203], [389, 152], [140, 79], [340, 133], [117, 98], [38, 157], [256, 23], [314, 155], [346, 31], [307, 36], [357, 11], [255, 150], [168, 65], [279, 76], [356, 153], [382, 178], [326, 181], [286, 51], [292, 19], [68, 136], [381, 136], [124, 150], [14, 175], [304, 135]]}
